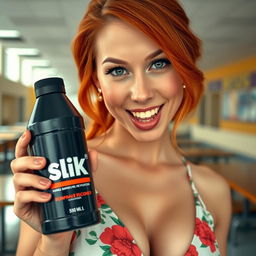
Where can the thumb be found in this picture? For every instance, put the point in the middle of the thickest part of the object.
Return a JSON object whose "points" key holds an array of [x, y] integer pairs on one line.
{"points": [[93, 157]]}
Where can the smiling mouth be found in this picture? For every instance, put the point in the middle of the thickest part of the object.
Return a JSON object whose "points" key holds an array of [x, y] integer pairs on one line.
{"points": [[145, 116]]}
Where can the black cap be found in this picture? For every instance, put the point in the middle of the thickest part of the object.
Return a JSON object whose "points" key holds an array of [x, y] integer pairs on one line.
{"points": [[49, 85]]}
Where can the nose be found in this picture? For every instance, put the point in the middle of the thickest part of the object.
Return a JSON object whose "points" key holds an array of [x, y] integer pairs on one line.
{"points": [[141, 90]]}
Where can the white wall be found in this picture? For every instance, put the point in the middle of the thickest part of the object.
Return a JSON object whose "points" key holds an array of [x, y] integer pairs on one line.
{"points": [[237, 142]]}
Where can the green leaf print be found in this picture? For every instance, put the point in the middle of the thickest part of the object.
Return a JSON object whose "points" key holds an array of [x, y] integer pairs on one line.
{"points": [[71, 254], [203, 246], [103, 215], [90, 241], [78, 233], [104, 206], [117, 221], [108, 211], [105, 247], [197, 203], [93, 233], [102, 221], [204, 219], [107, 254]]}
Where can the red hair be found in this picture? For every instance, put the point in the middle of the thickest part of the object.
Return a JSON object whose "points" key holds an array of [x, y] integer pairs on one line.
{"points": [[165, 22]]}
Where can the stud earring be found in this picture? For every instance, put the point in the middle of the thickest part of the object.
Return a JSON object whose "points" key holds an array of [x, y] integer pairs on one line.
{"points": [[184, 86], [100, 98]]}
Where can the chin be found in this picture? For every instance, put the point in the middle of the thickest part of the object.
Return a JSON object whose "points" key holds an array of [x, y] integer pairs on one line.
{"points": [[147, 136]]}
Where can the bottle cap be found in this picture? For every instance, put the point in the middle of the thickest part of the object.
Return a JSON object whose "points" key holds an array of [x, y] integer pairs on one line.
{"points": [[49, 85]]}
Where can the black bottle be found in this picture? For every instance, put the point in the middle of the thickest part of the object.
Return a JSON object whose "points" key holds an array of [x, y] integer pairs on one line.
{"points": [[58, 134]]}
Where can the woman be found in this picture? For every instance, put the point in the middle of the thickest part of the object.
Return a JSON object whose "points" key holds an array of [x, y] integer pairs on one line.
{"points": [[137, 66]]}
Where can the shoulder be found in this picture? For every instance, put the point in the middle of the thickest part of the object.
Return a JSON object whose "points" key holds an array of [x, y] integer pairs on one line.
{"points": [[209, 179], [214, 190]]}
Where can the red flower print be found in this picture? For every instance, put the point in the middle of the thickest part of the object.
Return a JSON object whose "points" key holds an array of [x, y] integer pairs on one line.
{"points": [[120, 240], [191, 251], [73, 237], [205, 234], [100, 200]]}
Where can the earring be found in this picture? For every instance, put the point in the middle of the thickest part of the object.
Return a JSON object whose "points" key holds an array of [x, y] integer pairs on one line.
{"points": [[184, 86], [100, 98]]}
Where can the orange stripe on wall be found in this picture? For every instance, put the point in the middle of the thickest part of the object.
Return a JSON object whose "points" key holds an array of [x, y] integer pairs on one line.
{"points": [[70, 182], [238, 126], [232, 69]]}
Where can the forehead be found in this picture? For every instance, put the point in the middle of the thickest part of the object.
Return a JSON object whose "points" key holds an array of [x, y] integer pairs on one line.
{"points": [[119, 39]]}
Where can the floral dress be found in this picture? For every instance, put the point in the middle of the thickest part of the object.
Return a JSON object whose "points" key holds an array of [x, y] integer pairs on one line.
{"points": [[111, 237]]}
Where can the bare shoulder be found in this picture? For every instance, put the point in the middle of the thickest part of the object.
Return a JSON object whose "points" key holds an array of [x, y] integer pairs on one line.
{"points": [[208, 178], [213, 189]]}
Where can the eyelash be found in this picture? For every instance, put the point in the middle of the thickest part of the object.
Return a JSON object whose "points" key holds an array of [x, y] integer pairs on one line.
{"points": [[163, 60]]}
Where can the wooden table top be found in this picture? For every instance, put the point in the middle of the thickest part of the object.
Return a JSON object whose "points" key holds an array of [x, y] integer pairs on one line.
{"points": [[188, 142], [240, 176], [207, 152], [7, 191], [8, 136]]}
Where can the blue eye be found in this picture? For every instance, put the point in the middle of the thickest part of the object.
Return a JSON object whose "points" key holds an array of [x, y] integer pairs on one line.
{"points": [[117, 71], [160, 64]]}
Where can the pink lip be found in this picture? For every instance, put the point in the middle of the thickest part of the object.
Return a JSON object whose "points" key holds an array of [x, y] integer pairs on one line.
{"points": [[143, 109]]}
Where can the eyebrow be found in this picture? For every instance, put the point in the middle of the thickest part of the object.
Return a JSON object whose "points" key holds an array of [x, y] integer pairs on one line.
{"points": [[118, 61]]}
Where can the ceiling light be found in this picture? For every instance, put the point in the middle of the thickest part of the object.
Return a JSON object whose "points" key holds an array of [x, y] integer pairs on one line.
{"points": [[23, 51], [9, 34]]}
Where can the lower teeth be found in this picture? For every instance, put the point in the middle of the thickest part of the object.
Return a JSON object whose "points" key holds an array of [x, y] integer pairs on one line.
{"points": [[146, 120]]}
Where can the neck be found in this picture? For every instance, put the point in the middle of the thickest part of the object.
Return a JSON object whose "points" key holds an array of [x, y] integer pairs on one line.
{"points": [[123, 144]]}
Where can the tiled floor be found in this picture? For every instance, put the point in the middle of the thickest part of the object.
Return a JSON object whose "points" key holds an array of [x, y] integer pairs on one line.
{"points": [[246, 238]]}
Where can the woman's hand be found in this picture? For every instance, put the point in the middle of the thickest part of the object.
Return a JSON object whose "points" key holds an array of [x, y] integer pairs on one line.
{"points": [[26, 184]]}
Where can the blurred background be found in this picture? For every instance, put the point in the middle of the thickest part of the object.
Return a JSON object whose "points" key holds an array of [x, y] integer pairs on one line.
{"points": [[35, 42]]}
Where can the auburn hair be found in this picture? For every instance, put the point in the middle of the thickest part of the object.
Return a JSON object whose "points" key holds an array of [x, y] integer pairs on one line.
{"points": [[166, 23]]}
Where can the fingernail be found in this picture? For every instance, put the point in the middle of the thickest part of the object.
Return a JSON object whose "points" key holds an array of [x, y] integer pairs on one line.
{"points": [[38, 161], [44, 182], [45, 195]]}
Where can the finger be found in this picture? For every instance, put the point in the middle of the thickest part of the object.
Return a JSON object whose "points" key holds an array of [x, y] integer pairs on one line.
{"points": [[23, 197], [26, 180], [22, 144], [27, 163], [93, 157]]}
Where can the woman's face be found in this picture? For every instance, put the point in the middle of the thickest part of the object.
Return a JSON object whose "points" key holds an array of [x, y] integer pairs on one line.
{"points": [[140, 88]]}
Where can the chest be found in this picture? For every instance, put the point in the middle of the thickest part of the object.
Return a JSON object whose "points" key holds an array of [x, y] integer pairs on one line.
{"points": [[157, 209]]}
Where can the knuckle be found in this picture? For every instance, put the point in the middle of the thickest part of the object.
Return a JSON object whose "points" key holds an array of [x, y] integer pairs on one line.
{"points": [[19, 196], [16, 178], [13, 164], [15, 209]]}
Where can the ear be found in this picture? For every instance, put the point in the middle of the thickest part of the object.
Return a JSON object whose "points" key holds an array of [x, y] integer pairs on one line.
{"points": [[95, 80]]}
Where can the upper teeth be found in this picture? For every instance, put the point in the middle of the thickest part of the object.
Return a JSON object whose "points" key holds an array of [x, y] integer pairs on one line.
{"points": [[146, 114]]}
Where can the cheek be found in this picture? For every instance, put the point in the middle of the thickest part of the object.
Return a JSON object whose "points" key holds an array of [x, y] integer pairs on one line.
{"points": [[113, 97], [172, 86]]}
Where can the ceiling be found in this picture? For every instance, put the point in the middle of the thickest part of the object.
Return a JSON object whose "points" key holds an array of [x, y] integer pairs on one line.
{"points": [[227, 28]]}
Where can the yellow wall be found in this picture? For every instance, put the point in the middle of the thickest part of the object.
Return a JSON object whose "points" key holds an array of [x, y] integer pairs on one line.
{"points": [[232, 69], [228, 71]]}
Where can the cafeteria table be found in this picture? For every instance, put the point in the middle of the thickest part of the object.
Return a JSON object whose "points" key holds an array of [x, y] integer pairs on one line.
{"points": [[197, 155], [241, 177]]}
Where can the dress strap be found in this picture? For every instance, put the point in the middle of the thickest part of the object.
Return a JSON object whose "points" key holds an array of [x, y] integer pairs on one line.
{"points": [[193, 186]]}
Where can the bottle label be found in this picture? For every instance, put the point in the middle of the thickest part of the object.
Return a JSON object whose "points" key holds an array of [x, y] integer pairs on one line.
{"points": [[71, 183], [66, 168]]}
